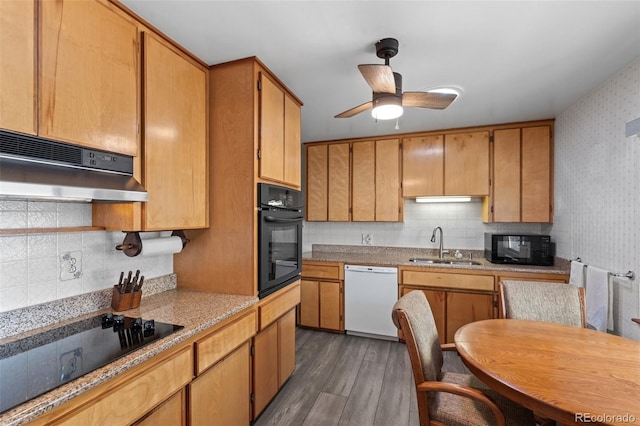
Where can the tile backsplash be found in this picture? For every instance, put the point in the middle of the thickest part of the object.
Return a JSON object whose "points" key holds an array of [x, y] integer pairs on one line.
{"points": [[461, 224], [37, 268]]}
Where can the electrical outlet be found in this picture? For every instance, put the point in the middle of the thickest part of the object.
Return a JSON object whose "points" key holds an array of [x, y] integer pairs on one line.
{"points": [[70, 265], [367, 239]]}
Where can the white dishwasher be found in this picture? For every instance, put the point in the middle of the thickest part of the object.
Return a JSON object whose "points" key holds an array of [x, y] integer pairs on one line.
{"points": [[369, 295]]}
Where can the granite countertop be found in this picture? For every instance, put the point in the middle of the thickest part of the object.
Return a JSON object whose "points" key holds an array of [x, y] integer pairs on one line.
{"points": [[399, 256], [196, 311]]}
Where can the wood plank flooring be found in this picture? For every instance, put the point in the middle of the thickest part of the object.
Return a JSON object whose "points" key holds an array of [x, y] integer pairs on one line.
{"points": [[348, 380]]}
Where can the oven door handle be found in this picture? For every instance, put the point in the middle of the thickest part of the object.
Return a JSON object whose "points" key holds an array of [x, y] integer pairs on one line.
{"points": [[283, 220]]}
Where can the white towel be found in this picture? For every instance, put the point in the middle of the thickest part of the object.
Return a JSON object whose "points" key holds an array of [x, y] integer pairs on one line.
{"points": [[577, 273], [597, 298]]}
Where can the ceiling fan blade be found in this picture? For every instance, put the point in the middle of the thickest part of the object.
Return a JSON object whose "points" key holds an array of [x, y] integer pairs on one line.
{"points": [[379, 77], [357, 110], [431, 100]]}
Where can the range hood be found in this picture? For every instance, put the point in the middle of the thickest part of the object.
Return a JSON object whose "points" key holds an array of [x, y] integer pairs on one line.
{"points": [[37, 168]]}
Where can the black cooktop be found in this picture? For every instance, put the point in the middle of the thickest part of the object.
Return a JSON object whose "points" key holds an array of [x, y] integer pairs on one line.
{"points": [[37, 364]]}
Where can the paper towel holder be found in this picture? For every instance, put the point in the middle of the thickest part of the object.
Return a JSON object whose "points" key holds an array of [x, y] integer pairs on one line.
{"points": [[132, 243]]}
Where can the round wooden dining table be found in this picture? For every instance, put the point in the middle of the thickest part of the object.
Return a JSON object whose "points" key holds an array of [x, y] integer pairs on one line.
{"points": [[570, 374]]}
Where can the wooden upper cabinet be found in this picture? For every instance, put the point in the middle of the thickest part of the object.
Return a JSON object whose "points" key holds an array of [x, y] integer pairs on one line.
{"points": [[338, 182], [174, 159], [175, 139], [375, 191], [292, 142], [387, 196], [89, 76], [328, 188], [522, 176], [466, 163], [506, 175], [279, 134], [364, 181], [537, 174], [317, 181], [423, 166], [17, 66]]}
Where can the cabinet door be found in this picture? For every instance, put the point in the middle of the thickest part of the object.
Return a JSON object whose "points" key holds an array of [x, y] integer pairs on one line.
{"points": [[175, 140], [317, 182], [330, 305], [463, 308], [506, 175], [437, 302], [292, 147], [536, 174], [309, 304], [221, 395], [17, 62], [387, 181], [338, 185], [466, 164], [265, 368], [423, 166], [271, 130], [89, 74], [172, 412], [286, 346], [364, 181]]}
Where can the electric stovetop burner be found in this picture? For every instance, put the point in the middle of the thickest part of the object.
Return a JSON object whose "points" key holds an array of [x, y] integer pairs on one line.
{"points": [[37, 364]]}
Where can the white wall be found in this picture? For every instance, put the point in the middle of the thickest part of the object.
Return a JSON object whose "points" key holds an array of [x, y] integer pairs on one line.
{"points": [[461, 224], [597, 187], [31, 265]]}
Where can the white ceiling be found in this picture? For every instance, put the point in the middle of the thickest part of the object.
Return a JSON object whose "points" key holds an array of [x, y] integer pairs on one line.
{"points": [[513, 60]]}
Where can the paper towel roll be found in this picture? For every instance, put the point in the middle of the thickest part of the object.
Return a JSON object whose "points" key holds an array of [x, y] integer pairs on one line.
{"points": [[159, 246]]}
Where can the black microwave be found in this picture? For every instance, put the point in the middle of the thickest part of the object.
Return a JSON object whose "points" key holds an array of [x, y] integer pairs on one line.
{"points": [[523, 249]]}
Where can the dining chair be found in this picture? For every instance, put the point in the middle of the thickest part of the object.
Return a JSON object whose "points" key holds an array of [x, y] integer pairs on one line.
{"points": [[543, 301], [447, 398]]}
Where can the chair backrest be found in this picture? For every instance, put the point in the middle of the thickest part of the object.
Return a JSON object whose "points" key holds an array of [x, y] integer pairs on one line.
{"points": [[543, 301], [412, 314]]}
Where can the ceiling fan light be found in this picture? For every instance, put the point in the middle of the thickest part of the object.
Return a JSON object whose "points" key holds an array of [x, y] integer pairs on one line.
{"points": [[387, 108]]}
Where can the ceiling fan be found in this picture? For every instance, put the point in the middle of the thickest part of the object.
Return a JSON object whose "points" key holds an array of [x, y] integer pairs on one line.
{"points": [[388, 99]]}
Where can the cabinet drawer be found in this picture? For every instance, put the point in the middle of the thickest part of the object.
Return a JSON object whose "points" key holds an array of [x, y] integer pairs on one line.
{"points": [[446, 280], [280, 304], [124, 403], [329, 271], [217, 345]]}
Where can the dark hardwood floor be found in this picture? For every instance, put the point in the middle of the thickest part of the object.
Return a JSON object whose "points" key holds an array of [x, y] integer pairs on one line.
{"points": [[348, 380]]}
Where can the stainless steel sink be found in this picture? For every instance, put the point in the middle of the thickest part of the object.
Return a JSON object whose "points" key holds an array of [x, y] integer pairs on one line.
{"points": [[443, 261]]}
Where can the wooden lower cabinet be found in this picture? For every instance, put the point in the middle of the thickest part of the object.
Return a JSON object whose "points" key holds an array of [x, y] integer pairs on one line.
{"points": [[321, 305], [274, 359], [274, 347], [322, 295], [463, 308], [172, 412], [131, 396], [221, 395], [456, 299]]}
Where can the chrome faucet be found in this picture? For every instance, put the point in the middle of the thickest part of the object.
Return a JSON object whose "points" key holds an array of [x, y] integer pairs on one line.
{"points": [[433, 240]]}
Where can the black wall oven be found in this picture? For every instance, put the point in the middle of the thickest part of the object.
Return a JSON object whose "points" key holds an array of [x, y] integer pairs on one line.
{"points": [[280, 237]]}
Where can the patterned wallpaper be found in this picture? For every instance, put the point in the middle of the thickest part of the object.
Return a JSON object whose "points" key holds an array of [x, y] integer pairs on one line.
{"points": [[38, 268], [597, 187]]}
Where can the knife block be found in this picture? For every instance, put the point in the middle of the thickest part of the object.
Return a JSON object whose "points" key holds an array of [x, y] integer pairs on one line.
{"points": [[124, 301]]}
